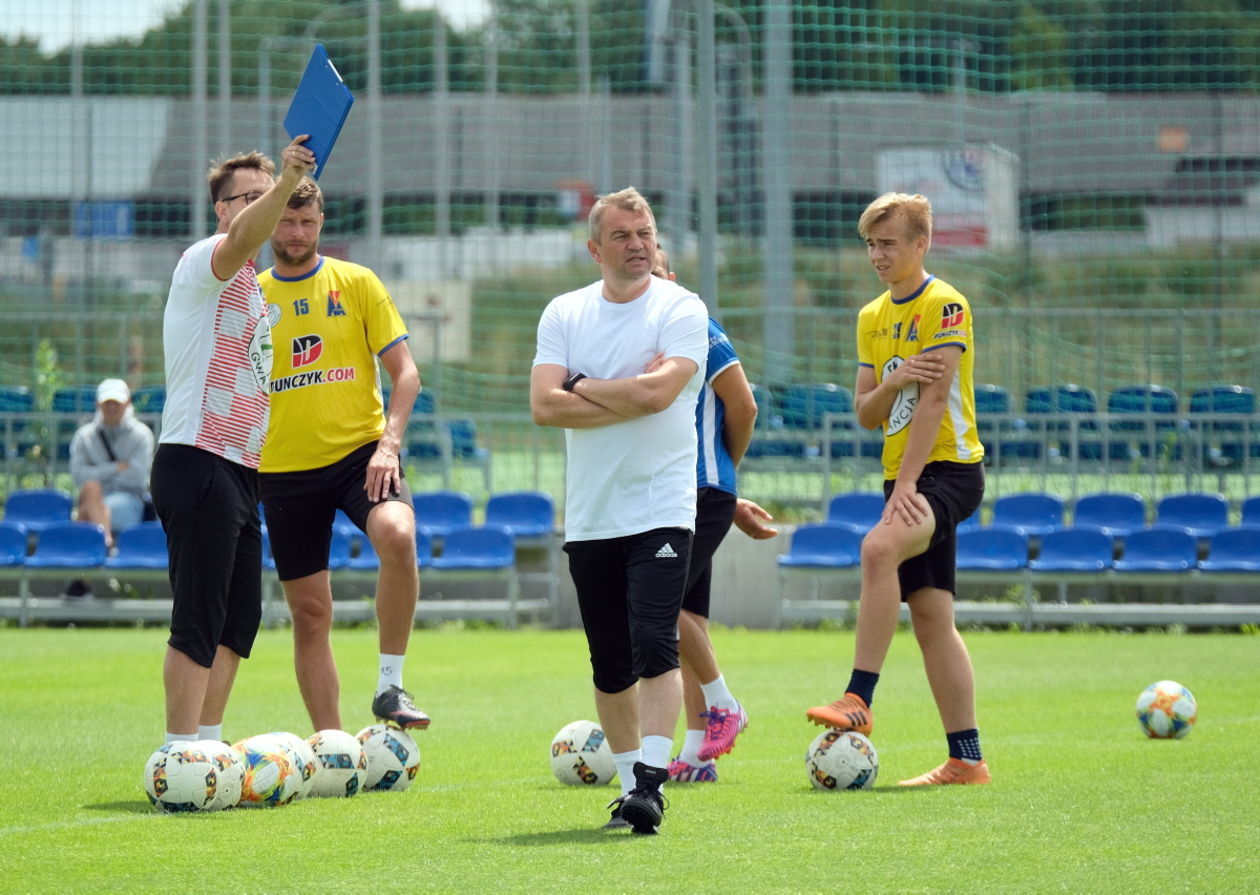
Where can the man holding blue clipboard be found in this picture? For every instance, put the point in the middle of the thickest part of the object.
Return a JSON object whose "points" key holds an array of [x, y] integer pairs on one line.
{"points": [[204, 480]]}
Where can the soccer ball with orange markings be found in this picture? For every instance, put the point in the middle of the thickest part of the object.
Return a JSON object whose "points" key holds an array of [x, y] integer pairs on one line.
{"points": [[1167, 711]]}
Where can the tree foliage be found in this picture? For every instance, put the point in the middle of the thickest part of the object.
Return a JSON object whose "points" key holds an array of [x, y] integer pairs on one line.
{"points": [[991, 46]]}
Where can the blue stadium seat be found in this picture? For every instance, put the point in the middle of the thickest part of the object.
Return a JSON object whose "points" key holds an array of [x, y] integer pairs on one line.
{"points": [[804, 406], [424, 548], [425, 440], [1074, 550], [1202, 514], [972, 522], [437, 512], [1159, 549], [992, 550], [13, 540], [141, 546], [1153, 433], [1066, 400], [996, 400], [1251, 511], [469, 547], [75, 399], [1225, 442], [69, 545], [1233, 550], [769, 439], [861, 509], [1113, 512], [38, 508], [339, 550], [149, 399], [526, 514], [823, 546], [16, 399], [1033, 513]]}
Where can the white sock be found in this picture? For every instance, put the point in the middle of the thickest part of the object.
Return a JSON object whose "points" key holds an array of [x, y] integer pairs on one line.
{"points": [[656, 750], [691, 747], [625, 768], [210, 732], [391, 672], [172, 737], [717, 695]]}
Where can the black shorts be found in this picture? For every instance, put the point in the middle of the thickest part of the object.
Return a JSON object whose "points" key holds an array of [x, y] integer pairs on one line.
{"points": [[953, 491], [629, 591], [300, 506], [715, 510], [209, 509]]}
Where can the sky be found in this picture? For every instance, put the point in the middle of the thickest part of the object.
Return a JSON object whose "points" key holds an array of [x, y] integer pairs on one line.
{"points": [[57, 23]]}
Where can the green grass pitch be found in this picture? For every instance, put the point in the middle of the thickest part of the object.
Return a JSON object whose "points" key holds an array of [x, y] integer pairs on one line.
{"points": [[1081, 800]]}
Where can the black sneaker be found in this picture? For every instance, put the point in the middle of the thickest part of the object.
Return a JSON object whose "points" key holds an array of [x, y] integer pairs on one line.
{"points": [[394, 706], [78, 590], [616, 822], [644, 807]]}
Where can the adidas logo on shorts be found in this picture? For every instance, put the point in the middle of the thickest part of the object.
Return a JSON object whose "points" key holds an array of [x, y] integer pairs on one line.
{"points": [[666, 552]]}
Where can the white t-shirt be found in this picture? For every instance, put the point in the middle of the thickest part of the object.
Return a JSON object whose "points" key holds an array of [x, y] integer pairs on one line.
{"points": [[218, 358], [632, 476]]}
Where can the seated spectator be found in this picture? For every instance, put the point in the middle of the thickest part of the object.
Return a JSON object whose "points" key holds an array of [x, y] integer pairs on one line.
{"points": [[110, 459]]}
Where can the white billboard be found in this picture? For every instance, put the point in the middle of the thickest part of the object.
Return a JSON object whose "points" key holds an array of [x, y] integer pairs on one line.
{"points": [[975, 203]]}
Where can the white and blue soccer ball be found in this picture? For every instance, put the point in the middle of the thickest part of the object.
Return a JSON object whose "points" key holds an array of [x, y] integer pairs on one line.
{"points": [[581, 756], [393, 758], [1167, 711], [230, 772], [842, 759], [303, 758], [340, 764], [270, 776], [180, 777]]}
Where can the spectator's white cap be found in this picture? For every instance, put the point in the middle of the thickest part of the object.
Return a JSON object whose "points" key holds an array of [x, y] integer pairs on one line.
{"points": [[113, 390]]}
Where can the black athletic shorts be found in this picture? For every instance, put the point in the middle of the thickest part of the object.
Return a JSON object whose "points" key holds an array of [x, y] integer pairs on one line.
{"points": [[209, 509], [299, 508], [953, 491], [629, 591], [715, 510]]}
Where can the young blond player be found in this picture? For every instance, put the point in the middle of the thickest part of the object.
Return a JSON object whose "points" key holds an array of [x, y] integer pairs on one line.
{"points": [[915, 361]]}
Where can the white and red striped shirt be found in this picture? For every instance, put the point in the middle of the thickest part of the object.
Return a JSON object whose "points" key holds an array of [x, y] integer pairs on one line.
{"points": [[218, 359]]}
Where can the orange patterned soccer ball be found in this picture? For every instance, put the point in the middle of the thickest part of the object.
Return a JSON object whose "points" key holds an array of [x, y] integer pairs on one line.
{"points": [[1167, 711]]}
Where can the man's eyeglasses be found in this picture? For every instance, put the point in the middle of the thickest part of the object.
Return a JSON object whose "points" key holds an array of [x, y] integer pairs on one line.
{"points": [[251, 196]]}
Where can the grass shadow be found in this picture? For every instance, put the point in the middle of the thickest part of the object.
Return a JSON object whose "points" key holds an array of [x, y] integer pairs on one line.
{"points": [[562, 837], [130, 807]]}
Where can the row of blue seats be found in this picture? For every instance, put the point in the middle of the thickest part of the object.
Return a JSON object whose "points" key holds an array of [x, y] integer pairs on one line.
{"points": [[804, 406], [1156, 548], [422, 436], [77, 546], [1039, 513], [524, 513]]}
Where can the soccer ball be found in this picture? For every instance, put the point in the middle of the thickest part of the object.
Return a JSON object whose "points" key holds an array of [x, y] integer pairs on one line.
{"points": [[580, 755], [340, 764], [230, 770], [270, 777], [303, 758], [180, 777], [392, 757], [1166, 710], [841, 759]]}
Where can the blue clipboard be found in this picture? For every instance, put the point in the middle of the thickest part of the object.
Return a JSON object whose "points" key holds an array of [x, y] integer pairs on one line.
{"points": [[319, 107]]}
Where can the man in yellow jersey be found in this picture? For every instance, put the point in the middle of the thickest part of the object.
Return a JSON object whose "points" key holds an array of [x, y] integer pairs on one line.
{"points": [[330, 446], [915, 361]]}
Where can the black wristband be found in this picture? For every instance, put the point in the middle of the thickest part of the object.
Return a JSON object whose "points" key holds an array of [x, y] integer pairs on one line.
{"points": [[572, 381]]}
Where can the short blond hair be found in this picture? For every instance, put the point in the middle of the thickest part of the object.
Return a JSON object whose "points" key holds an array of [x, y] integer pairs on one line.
{"points": [[628, 199], [307, 192], [914, 212]]}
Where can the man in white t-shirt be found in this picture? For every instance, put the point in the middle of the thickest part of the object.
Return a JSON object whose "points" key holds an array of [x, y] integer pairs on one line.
{"points": [[630, 491], [204, 479]]}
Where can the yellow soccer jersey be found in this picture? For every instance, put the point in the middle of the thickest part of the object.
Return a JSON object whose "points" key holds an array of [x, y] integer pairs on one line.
{"points": [[889, 332], [328, 328]]}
